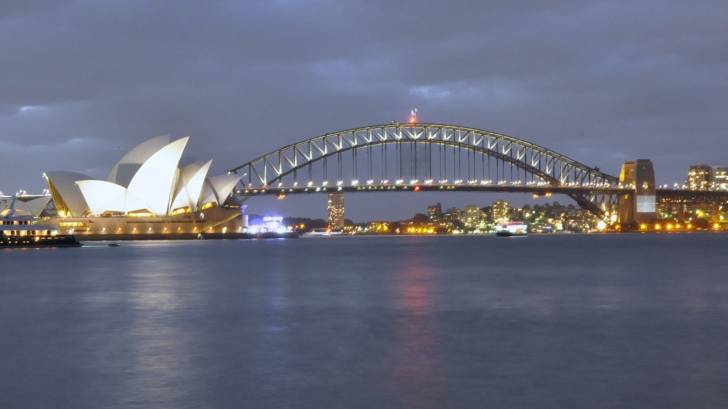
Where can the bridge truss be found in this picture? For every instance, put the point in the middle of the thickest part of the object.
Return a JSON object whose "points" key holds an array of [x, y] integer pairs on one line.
{"points": [[426, 156]]}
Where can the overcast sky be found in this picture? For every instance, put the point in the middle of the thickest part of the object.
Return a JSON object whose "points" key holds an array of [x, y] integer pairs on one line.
{"points": [[81, 82]]}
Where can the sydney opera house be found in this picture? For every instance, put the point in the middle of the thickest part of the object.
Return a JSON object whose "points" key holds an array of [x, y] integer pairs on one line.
{"points": [[146, 194]]}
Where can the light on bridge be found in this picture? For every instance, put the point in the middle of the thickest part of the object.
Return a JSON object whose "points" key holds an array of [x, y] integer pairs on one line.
{"points": [[413, 116]]}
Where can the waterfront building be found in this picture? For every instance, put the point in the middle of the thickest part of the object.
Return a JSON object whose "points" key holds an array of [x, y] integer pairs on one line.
{"points": [[451, 219], [378, 227], [146, 192], [694, 209], [335, 208], [415, 228], [434, 212], [474, 219], [700, 177], [501, 211], [720, 177]]}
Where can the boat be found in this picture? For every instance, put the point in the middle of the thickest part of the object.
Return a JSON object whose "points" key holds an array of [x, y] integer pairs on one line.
{"points": [[511, 229], [22, 232], [322, 233]]}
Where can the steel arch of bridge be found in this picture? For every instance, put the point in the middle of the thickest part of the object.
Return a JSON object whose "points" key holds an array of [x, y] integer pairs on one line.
{"points": [[541, 165]]}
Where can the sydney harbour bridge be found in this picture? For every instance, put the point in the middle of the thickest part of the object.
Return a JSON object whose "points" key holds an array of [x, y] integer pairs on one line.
{"points": [[415, 157]]}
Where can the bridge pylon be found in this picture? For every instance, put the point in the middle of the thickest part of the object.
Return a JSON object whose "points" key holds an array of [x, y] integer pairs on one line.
{"points": [[638, 207]]}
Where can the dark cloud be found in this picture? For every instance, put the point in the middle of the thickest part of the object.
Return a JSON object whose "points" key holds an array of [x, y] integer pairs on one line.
{"points": [[82, 81]]}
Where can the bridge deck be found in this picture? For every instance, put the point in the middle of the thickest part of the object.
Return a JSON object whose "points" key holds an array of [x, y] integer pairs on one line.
{"points": [[474, 187], [541, 190]]}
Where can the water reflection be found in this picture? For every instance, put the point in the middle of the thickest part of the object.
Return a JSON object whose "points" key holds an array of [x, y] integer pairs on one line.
{"points": [[159, 339], [379, 323], [417, 379], [272, 349]]}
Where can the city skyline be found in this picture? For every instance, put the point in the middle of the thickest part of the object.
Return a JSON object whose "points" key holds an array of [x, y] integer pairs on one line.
{"points": [[699, 177], [603, 83]]}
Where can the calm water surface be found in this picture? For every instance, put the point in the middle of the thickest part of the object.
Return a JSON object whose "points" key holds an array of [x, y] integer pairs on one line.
{"points": [[632, 321]]}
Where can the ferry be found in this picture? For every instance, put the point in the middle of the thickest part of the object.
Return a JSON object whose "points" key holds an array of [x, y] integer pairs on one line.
{"points": [[21, 231], [322, 233], [511, 229]]}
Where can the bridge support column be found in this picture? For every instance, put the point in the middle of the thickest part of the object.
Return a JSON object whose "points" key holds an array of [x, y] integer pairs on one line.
{"points": [[638, 207]]}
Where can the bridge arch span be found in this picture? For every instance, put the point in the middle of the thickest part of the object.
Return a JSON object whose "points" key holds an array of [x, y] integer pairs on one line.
{"points": [[419, 153]]}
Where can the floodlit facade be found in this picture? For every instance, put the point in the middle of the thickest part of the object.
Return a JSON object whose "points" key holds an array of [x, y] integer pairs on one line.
{"points": [[145, 181], [66, 195], [720, 177], [700, 177], [146, 191], [500, 210], [127, 166], [192, 180]]}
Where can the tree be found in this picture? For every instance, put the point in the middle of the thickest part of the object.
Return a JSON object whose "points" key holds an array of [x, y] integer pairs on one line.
{"points": [[420, 218]]}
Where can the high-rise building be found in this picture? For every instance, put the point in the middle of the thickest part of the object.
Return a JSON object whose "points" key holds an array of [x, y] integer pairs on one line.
{"points": [[720, 177], [335, 208], [501, 210], [434, 212], [473, 217], [451, 217], [700, 177]]}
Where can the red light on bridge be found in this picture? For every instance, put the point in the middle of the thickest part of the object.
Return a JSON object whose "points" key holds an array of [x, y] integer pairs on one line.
{"points": [[413, 116], [417, 189]]}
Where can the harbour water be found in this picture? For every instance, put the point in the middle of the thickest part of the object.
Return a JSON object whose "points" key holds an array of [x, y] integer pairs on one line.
{"points": [[608, 321]]}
